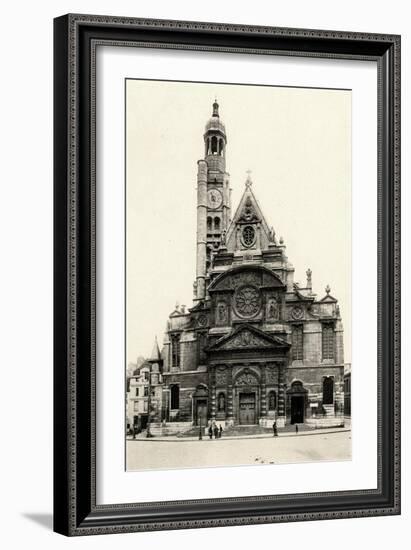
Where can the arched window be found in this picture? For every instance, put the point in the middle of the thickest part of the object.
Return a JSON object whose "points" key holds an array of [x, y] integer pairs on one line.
{"points": [[175, 350], [221, 402], [297, 342], [328, 391], [175, 397], [248, 235], [214, 145], [272, 401], [220, 146], [209, 224], [217, 224], [328, 342]]}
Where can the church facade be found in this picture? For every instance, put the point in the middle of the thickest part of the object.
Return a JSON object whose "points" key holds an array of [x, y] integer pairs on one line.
{"points": [[255, 346]]}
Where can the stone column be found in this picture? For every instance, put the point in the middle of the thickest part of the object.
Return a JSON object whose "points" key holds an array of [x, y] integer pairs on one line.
{"points": [[281, 396], [212, 394], [238, 239], [263, 411], [230, 413], [258, 238], [213, 402]]}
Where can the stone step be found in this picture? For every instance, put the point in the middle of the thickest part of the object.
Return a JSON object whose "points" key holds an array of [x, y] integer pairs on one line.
{"points": [[325, 422], [171, 424]]}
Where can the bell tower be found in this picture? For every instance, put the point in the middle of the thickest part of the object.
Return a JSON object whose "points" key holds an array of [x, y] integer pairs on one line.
{"points": [[213, 198]]}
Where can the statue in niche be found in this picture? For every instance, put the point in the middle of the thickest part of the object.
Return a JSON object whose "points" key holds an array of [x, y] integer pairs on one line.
{"points": [[273, 309], [223, 238], [221, 313], [221, 402]]}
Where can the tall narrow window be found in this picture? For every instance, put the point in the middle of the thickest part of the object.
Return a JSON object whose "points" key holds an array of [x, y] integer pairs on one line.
{"points": [[175, 350], [175, 397], [214, 145], [328, 341], [217, 224], [297, 341], [209, 224]]}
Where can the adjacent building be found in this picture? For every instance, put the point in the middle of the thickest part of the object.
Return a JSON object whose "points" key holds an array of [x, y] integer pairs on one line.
{"points": [[144, 392]]}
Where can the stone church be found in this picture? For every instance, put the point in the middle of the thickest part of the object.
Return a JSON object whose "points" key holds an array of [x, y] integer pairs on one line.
{"points": [[255, 346]]}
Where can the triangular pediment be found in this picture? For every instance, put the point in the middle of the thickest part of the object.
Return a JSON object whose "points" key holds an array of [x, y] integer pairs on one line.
{"points": [[248, 337], [249, 213], [328, 299]]}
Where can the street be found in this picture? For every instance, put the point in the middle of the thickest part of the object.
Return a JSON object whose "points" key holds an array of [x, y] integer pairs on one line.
{"points": [[150, 454]]}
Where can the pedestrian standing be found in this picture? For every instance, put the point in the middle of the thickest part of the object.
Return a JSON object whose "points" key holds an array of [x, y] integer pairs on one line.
{"points": [[221, 431], [215, 431], [275, 432], [296, 428], [210, 431]]}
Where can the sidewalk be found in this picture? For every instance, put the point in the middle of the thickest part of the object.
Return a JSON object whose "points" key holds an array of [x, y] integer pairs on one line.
{"points": [[319, 431]]}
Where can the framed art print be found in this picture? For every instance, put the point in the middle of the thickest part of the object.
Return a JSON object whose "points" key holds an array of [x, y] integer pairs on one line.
{"points": [[226, 274]]}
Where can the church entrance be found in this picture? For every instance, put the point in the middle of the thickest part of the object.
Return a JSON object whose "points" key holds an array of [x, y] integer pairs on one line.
{"points": [[247, 408], [297, 409], [200, 406], [201, 412]]}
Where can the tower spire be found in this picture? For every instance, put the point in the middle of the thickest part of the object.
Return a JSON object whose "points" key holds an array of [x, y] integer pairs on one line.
{"points": [[215, 108]]}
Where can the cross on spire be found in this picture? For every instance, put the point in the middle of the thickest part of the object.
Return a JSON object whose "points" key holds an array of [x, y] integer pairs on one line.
{"points": [[248, 181]]}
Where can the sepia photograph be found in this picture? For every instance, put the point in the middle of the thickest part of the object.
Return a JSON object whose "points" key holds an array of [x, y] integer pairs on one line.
{"points": [[238, 275]]}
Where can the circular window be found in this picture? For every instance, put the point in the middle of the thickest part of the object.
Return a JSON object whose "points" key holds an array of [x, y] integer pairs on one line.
{"points": [[247, 301], [248, 235]]}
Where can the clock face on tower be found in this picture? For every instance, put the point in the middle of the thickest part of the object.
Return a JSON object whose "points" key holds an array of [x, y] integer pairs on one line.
{"points": [[214, 199]]}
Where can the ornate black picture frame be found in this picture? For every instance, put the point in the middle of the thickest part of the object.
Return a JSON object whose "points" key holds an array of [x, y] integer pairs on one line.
{"points": [[75, 40]]}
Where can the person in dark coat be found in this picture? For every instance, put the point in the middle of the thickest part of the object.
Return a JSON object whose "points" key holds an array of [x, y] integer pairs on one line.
{"points": [[215, 431], [296, 428], [210, 431], [275, 432], [220, 431]]}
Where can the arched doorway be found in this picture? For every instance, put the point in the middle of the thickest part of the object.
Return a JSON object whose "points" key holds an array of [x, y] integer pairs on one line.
{"points": [[200, 406], [296, 401], [174, 397], [328, 391], [247, 390]]}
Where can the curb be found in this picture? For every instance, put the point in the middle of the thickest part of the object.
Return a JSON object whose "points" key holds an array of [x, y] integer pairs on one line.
{"points": [[231, 438]]}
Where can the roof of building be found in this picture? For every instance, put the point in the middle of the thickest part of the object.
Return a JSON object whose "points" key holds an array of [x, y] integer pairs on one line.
{"points": [[215, 123], [155, 353]]}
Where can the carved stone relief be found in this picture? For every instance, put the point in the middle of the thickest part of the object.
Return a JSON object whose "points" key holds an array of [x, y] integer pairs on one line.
{"points": [[221, 376], [247, 379]]}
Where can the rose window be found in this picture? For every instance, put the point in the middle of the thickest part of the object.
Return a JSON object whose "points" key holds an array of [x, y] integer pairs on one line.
{"points": [[247, 301], [248, 235]]}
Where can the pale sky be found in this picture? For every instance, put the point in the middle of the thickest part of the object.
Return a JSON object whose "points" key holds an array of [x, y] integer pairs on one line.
{"points": [[296, 142]]}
